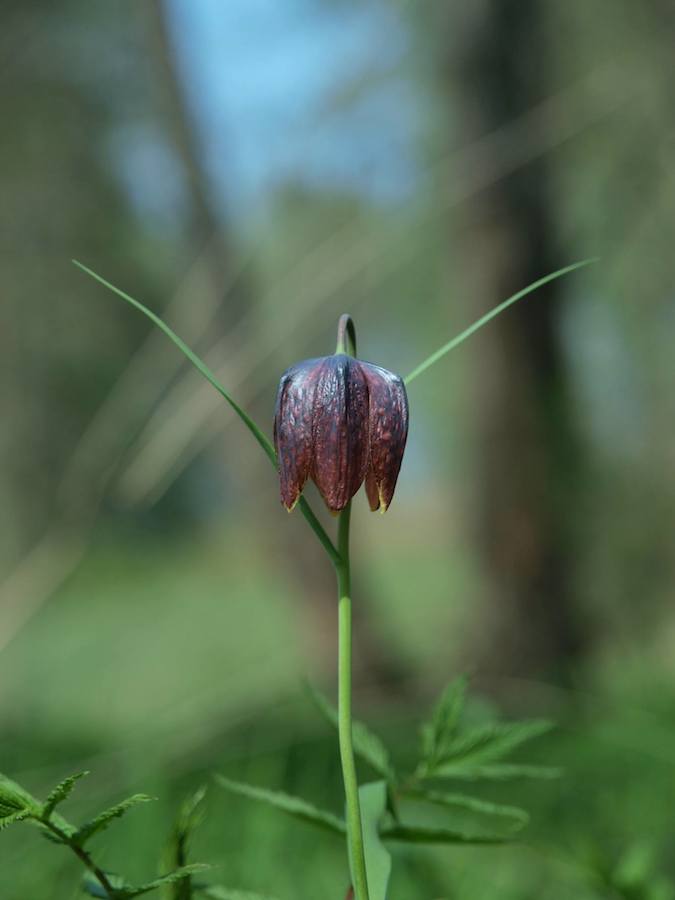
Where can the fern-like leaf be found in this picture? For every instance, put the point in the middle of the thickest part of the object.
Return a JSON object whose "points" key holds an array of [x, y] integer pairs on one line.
{"points": [[440, 730], [492, 742], [163, 880], [60, 793], [13, 818], [103, 820]]}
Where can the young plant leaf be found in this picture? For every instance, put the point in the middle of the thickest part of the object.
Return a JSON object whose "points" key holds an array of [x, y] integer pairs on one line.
{"points": [[495, 772], [216, 892], [438, 733], [103, 820], [491, 742], [60, 793], [293, 806], [373, 803], [15, 799], [175, 854], [12, 818], [367, 745], [517, 817], [472, 329], [163, 880]]}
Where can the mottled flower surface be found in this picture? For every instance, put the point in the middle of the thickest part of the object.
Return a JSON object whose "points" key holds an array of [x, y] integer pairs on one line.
{"points": [[340, 421]]}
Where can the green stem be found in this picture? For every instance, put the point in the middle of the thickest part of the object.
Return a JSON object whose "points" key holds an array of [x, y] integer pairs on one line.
{"points": [[354, 829], [83, 856]]}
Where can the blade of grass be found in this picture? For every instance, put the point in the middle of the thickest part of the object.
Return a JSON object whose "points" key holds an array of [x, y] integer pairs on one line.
{"points": [[204, 370], [472, 329]]}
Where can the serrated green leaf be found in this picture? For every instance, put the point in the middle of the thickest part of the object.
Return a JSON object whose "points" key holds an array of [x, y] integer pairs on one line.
{"points": [[171, 878], [421, 834], [14, 798], [293, 806], [13, 818], [60, 793], [491, 742], [217, 892], [373, 803], [495, 772], [517, 816], [367, 745], [440, 730], [103, 820]]}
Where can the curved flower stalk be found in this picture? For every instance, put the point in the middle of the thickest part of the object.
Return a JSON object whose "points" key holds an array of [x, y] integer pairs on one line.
{"points": [[339, 421]]}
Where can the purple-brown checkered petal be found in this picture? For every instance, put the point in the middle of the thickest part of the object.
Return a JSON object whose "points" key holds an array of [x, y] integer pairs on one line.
{"points": [[340, 430], [293, 421], [388, 431]]}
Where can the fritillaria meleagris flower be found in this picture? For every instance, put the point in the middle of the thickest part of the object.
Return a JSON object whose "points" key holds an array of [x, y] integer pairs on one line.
{"points": [[340, 421]]}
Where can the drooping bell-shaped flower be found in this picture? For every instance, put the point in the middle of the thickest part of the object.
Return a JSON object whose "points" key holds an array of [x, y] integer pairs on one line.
{"points": [[340, 421]]}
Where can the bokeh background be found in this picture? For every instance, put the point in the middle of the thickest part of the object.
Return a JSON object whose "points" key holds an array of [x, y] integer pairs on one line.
{"points": [[251, 169]]}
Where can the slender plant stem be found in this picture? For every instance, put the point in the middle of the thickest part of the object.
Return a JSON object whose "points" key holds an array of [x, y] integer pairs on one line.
{"points": [[354, 829], [83, 856]]}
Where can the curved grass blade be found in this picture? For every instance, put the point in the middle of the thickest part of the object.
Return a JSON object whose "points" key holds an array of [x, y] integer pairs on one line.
{"points": [[495, 772], [293, 806], [472, 329], [204, 370], [216, 892], [421, 834], [517, 817]]}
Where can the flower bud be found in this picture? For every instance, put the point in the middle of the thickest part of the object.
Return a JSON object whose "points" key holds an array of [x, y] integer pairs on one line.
{"points": [[340, 421]]}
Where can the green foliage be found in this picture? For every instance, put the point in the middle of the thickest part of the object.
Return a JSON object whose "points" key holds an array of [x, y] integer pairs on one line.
{"points": [[293, 806], [17, 805], [60, 793], [475, 754], [438, 733], [367, 745], [199, 364], [452, 752], [496, 772], [216, 892], [516, 817], [472, 329], [422, 834], [373, 803], [124, 891], [100, 822], [175, 853]]}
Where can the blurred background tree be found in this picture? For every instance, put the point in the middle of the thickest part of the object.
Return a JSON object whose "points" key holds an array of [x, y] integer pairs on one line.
{"points": [[251, 170]]}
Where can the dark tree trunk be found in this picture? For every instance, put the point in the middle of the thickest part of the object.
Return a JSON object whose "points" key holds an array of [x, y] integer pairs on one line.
{"points": [[527, 455]]}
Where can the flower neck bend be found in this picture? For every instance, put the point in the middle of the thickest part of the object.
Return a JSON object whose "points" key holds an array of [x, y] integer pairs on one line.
{"points": [[346, 336]]}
